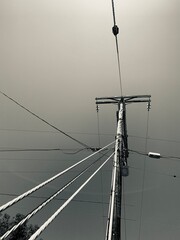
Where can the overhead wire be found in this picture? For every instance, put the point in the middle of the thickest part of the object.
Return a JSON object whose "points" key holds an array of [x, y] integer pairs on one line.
{"points": [[99, 144], [143, 179], [43, 204], [41, 150], [45, 131], [57, 199], [46, 224], [32, 159], [170, 157], [125, 227], [154, 172], [162, 156], [64, 151], [156, 139], [115, 32], [43, 120], [98, 128], [15, 200], [88, 133]]}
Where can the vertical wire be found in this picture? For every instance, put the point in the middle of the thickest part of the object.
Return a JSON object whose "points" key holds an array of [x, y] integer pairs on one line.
{"points": [[117, 48], [119, 66], [110, 202], [125, 227], [143, 181], [98, 128], [113, 10], [101, 171]]}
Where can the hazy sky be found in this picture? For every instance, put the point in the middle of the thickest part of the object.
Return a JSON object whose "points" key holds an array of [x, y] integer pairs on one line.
{"points": [[55, 58]]}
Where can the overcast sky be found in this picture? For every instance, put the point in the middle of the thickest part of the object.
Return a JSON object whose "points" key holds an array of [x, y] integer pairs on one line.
{"points": [[55, 58]]}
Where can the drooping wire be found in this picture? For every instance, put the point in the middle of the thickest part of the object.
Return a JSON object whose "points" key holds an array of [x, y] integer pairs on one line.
{"points": [[115, 30], [138, 152], [15, 200], [143, 180], [163, 156], [173, 157], [43, 120], [42, 150], [42, 205], [46, 224]]}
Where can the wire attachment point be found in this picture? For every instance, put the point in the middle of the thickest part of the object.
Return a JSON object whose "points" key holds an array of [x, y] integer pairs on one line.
{"points": [[149, 105]]}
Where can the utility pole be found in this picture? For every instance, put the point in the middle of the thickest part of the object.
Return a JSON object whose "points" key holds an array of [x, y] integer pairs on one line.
{"points": [[120, 164]]}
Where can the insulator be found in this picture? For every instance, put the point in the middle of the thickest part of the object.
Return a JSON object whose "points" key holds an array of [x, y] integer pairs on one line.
{"points": [[115, 30], [149, 105], [97, 108], [154, 155]]}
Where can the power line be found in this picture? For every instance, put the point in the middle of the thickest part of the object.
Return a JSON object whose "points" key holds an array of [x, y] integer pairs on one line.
{"points": [[64, 151], [156, 139], [45, 131], [43, 120], [127, 219], [45, 150], [163, 156], [138, 152], [115, 30], [101, 181], [32, 159], [42, 205], [98, 128], [158, 173], [31, 150], [88, 133], [15, 200], [173, 157], [46, 224], [58, 199], [143, 180]]}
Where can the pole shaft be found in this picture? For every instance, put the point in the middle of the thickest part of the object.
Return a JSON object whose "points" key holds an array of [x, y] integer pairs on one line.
{"points": [[114, 224]]}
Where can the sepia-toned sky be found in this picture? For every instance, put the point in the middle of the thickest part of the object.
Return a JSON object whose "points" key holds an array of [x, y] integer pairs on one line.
{"points": [[56, 57]]}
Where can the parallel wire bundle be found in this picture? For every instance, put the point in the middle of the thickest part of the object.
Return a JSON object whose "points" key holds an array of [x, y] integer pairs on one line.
{"points": [[15, 200], [29, 192], [32, 213]]}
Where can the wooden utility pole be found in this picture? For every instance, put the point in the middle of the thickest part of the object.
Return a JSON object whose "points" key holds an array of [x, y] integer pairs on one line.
{"points": [[120, 164]]}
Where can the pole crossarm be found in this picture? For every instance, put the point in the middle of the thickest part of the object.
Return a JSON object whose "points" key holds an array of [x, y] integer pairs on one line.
{"points": [[126, 99]]}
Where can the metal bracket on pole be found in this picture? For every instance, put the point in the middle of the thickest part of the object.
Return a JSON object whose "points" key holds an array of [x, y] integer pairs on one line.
{"points": [[121, 102]]}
